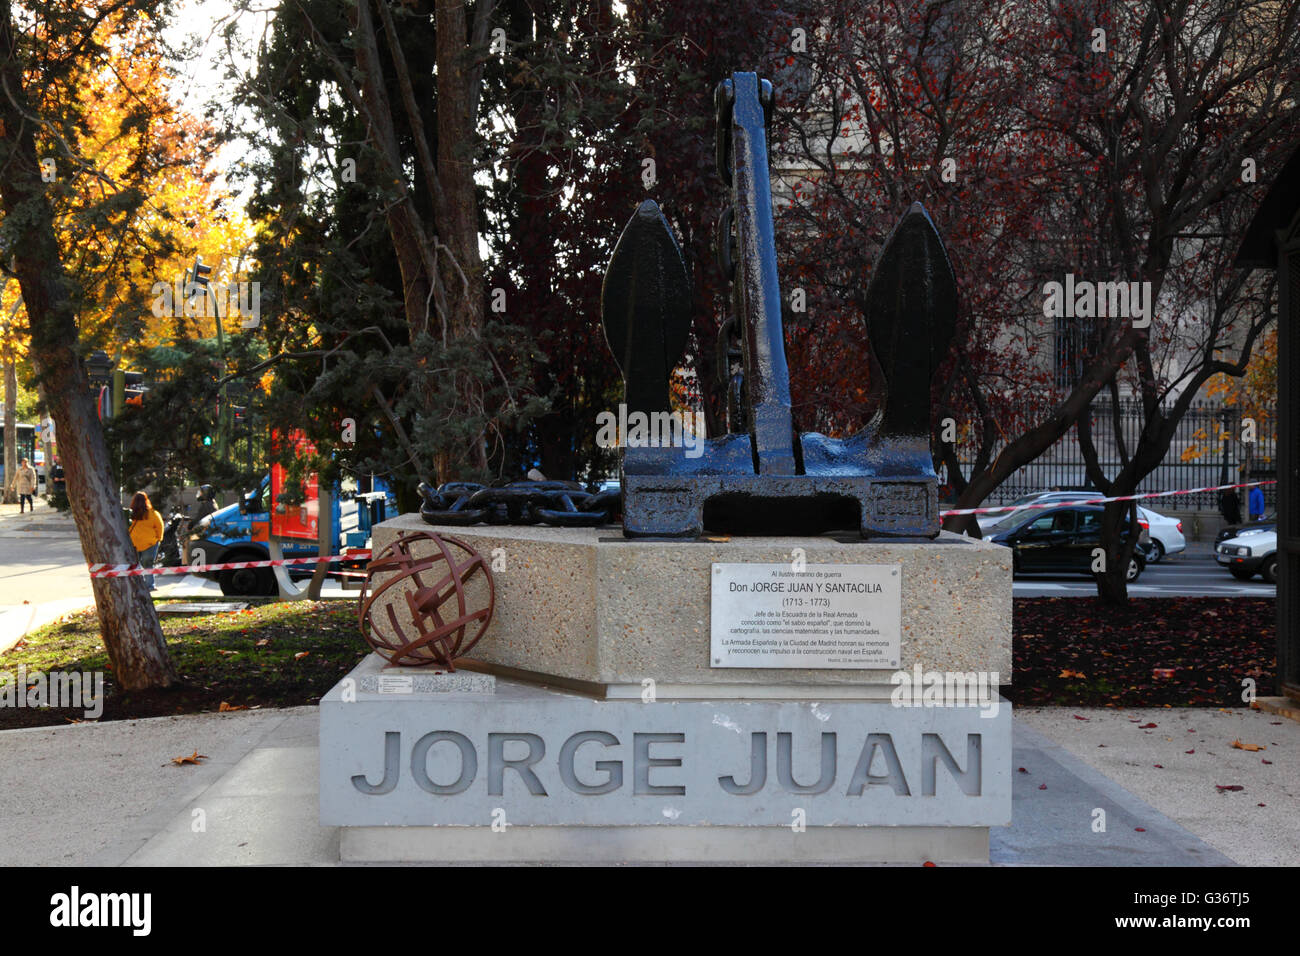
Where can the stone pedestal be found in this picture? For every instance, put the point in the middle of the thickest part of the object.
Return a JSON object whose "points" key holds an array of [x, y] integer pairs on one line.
{"points": [[588, 607], [606, 735]]}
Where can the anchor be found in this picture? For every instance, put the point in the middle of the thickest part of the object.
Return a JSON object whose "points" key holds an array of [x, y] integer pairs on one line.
{"points": [[761, 477]]}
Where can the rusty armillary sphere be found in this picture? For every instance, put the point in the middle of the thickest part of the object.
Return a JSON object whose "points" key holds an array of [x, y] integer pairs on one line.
{"points": [[425, 599]]}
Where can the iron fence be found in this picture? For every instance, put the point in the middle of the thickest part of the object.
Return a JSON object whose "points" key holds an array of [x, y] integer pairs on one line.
{"points": [[1211, 446]]}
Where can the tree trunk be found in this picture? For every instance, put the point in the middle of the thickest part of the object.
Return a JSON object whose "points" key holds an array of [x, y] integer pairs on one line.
{"points": [[457, 135], [1112, 583], [128, 623], [462, 271], [11, 434]]}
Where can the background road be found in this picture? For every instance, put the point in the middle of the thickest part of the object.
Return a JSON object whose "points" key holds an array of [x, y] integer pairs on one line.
{"points": [[1192, 573]]}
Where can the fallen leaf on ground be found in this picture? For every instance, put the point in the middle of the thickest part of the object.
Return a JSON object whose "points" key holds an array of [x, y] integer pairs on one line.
{"points": [[263, 642], [1070, 673], [1230, 786], [1077, 717], [226, 707], [1146, 727], [300, 655], [1253, 748], [227, 653], [195, 758]]}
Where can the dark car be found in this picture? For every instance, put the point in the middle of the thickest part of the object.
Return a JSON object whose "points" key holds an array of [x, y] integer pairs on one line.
{"points": [[1061, 541], [1233, 530]]}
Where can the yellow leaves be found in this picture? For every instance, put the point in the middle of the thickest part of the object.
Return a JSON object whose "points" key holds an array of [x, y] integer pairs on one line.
{"points": [[135, 138], [193, 758], [1253, 748], [13, 322], [1069, 673], [227, 708]]}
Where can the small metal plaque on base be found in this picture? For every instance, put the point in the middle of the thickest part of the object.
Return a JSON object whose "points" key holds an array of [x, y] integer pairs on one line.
{"points": [[822, 616]]}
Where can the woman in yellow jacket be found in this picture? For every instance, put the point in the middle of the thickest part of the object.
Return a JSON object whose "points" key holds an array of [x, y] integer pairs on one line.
{"points": [[146, 532]]}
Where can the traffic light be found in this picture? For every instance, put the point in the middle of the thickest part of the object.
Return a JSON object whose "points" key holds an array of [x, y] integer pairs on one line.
{"points": [[201, 273]]}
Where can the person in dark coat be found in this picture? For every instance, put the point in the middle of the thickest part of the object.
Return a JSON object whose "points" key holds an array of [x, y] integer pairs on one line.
{"points": [[1230, 506]]}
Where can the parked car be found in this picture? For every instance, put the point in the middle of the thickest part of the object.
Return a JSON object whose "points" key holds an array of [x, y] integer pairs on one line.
{"points": [[1233, 530], [1166, 534], [1253, 551], [1005, 519], [1061, 540]]}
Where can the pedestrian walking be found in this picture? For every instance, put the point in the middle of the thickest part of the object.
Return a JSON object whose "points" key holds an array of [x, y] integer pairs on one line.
{"points": [[146, 531], [1256, 503], [1230, 506], [25, 484]]}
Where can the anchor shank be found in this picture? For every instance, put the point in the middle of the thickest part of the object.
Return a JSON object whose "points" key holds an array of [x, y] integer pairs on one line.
{"points": [[767, 379]]}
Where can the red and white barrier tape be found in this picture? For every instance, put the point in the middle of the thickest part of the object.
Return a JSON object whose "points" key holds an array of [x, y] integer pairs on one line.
{"points": [[134, 570], [1098, 501]]}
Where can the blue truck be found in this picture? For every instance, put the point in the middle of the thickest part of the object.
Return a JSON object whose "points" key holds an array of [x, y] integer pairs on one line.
{"points": [[241, 532]]}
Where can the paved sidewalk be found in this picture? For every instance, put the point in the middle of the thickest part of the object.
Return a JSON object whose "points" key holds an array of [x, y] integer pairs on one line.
{"points": [[42, 570], [257, 791], [1179, 764]]}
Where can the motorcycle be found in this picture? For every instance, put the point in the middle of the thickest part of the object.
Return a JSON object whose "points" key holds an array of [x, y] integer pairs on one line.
{"points": [[169, 549], [173, 550]]}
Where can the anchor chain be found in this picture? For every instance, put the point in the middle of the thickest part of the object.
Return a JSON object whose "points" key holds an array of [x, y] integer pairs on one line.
{"points": [[562, 503]]}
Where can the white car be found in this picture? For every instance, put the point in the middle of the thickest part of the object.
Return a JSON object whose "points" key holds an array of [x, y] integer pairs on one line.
{"points": [[1166, 534], [1252, 552]]}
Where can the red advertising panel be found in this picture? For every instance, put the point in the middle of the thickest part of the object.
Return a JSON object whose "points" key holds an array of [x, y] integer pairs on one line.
{"points": [[293, 521]]}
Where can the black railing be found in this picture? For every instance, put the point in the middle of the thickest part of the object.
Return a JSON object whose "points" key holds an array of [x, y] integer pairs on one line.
{"points": [[1207, 449]]}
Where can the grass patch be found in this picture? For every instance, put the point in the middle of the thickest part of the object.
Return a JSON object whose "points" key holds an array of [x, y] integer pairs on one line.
{"points": [[249, 658]]}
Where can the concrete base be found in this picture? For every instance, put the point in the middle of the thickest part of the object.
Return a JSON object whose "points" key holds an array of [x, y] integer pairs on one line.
{"points": [[765, 845], [587, 605], [528, 773]]}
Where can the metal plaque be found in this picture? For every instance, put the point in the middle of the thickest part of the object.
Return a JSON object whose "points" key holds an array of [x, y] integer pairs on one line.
{"points": [[822, 616]]}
